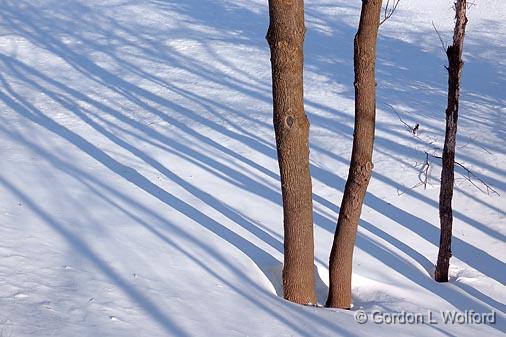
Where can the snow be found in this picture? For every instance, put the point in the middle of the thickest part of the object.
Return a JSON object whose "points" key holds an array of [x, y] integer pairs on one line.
{"points": [[139, 182]]}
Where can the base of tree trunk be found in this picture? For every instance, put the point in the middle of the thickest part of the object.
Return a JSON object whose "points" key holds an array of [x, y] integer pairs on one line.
{"points": [[441, 277]]}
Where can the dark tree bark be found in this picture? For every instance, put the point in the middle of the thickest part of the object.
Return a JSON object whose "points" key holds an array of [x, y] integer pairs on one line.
{"points": [[286, 41], [361, 165], [455, 64]]}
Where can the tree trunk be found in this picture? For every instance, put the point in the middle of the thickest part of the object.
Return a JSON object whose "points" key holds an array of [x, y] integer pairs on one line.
{"points": [[454, 53], [361, 165], [286, 41]]}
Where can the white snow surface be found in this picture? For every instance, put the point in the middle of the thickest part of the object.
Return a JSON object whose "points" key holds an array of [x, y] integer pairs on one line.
{"points": [[139, 186]]}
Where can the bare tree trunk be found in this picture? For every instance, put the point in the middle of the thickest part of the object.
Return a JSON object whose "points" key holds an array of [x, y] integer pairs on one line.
{"points": [[454, 53], [361, 166], [286, 41]]}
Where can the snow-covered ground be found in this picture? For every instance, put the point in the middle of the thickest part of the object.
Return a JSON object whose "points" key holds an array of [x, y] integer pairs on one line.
{"points": [[139, 188]]}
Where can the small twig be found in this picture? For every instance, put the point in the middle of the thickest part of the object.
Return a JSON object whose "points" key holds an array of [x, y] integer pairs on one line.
{"points": [[387, 14], [483, 148], [410, 128], [440, 38], [423, 176], [426, 165]]}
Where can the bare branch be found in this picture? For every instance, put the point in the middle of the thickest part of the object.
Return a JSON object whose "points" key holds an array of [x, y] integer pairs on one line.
{"points": [[470, 176], [425, 170], [440, 38], [410, 128], [388, 13], [424, 175]]}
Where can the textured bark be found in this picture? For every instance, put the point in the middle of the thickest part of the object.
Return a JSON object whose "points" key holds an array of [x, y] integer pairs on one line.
{"points": [[286, 41], [455, 64], [340, 266]]}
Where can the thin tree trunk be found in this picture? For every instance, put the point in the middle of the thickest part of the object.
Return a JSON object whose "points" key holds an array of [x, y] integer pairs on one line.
{"points": [[340, 266], [286, 41], [454, 53]]}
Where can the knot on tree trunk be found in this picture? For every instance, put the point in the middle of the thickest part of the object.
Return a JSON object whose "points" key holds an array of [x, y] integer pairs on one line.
{"points": [[289, 120], [362, 172]]}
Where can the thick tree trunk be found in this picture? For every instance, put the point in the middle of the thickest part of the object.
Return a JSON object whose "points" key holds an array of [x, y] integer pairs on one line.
{"points": [[286, 41], [454, 53], [361, 166]]}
